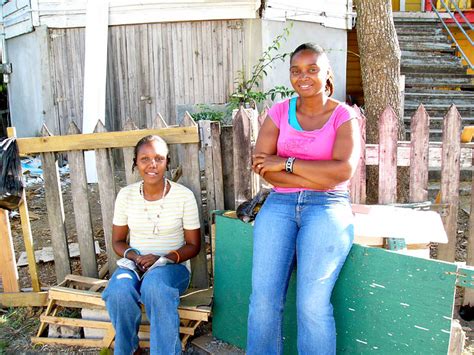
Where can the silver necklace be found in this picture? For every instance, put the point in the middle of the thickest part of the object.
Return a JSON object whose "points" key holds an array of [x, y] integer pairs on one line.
{"points": [[160, 207]]}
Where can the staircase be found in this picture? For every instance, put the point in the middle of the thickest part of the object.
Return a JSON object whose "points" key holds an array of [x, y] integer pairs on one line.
{"points": [[434, 75]]}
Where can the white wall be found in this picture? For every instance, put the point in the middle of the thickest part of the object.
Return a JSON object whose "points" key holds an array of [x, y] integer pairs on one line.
{"points": [[334, 42], [333, 13]]}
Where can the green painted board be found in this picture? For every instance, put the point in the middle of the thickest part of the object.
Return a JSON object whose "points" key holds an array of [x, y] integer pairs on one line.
{"points": [[383, 301]]}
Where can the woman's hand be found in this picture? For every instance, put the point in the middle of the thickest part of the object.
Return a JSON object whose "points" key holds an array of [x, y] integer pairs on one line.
{"points": [[263, 163], [145, 261]]}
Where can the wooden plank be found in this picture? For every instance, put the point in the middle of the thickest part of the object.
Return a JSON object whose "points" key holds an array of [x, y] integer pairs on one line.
{"points": [[29, 245], [82, 211], [91, 343], [24, 299], [358, 181], [242, 155], [130, 176], [192, 180], [55, 207], [419, 155], [404, 151], [107, 193], [75, 322], [86, 281], [100, 140], [388, 133], [27, 235], [227, 146], [211, 147], [450, 171], [8, 271], [468, 297]]}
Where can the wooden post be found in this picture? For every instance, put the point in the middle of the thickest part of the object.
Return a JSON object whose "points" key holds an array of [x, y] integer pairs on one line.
{"points": [[55, 207], [245, 186], [388, 136], [388, 133], [358, 181], [227, 147], [130, 177], [192, 179], [450, 171], [8, 271], [468, 297], [27, 235], [419, 155], [105, 174], [82, 212], [211, 146]]}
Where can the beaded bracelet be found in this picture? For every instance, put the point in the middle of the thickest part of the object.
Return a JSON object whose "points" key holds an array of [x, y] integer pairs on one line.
{"points": [[130, 249], [177, 256]]}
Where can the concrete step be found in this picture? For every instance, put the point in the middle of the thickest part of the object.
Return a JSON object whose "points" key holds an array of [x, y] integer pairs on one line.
{"points": [[439, 110], [428, 56], [409, 67], [446, 98], [436, 122], [422, 46], [419, 30], [423, 37], [439, 80]]}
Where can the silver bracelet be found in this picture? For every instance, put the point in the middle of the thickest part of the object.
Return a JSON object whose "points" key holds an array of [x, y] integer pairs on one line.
{"points": [[289, 164]]}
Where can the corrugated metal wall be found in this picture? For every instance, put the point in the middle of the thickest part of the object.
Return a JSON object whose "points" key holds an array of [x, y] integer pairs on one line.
{"points": [[151, 69]]}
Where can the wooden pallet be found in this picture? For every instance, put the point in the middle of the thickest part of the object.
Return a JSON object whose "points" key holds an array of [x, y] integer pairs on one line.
{"points": [[85, 292]]}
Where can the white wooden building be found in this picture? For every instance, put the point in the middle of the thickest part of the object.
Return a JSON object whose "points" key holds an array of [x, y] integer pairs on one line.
{"points": [[156, 54]]}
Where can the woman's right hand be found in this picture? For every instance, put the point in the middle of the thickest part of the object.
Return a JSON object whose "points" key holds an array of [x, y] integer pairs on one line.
{"points": [[145, 261]]}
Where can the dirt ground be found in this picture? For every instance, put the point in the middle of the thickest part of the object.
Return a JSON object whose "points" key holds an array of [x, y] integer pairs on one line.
{"points": [[18, 324]]}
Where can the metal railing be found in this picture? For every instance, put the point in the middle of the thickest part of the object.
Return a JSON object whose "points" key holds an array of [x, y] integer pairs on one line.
{"points": [[458, 47]]}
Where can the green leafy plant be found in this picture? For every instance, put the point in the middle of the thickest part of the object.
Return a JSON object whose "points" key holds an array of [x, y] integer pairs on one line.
{"points": [[207, 113], [247, 89]]}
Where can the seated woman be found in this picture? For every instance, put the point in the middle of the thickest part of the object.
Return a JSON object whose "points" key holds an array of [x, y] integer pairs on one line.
{"points": [[162, 219]]}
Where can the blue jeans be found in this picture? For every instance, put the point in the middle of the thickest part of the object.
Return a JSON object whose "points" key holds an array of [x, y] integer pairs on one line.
{"points": [[313, 230], [159, 291]]}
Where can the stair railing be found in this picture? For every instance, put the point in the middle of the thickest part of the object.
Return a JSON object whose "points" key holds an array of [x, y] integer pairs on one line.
{"points": [[458, 47]]}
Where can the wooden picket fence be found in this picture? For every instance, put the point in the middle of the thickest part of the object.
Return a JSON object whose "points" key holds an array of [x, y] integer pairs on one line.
{"points": [[186, 138], [228, 179], [419, 155]]}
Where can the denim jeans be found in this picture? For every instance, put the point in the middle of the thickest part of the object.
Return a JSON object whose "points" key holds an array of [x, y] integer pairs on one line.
{"points": [[314, 231], [159, 291]]}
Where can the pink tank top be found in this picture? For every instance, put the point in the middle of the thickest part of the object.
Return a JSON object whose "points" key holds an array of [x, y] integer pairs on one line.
{"points": [[308, 145]]}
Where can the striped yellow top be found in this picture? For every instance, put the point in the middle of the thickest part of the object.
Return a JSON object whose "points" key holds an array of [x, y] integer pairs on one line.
{"points": [[179, 212]]}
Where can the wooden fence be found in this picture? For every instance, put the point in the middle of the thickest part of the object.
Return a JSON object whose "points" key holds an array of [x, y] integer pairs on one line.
{"points": [[228, 178], [419, 155], [102, 142]]}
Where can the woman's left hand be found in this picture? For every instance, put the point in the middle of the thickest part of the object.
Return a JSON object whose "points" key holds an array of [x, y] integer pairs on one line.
{"points": [[145, 261], [263, 163]]}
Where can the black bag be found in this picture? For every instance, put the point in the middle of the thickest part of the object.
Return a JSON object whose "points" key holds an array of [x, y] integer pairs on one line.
{"points": [[11, 180], [247, 211]]}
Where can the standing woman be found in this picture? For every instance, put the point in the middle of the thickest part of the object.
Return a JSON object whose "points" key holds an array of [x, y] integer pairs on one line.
{"points": [[308, 148], [162, 219]]}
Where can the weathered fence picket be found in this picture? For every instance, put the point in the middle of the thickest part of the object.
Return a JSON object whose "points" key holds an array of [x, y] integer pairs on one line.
{"points": [[55, 207], [130, 176], [388, 133], [107, 193], [189, 161], [450, 171], [82, 211], [358, 182], [419, 150]]}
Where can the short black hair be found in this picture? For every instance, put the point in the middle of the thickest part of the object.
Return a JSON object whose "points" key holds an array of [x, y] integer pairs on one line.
{"points": [[315, 48], [146, 140]]}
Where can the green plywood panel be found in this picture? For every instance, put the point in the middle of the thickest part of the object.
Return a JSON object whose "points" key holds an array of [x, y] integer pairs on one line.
{"points": [[383, 302]]}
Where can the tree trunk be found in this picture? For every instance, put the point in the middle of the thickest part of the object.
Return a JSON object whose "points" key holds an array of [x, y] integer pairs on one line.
{"points": [[380, 62], [380, 69]]}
